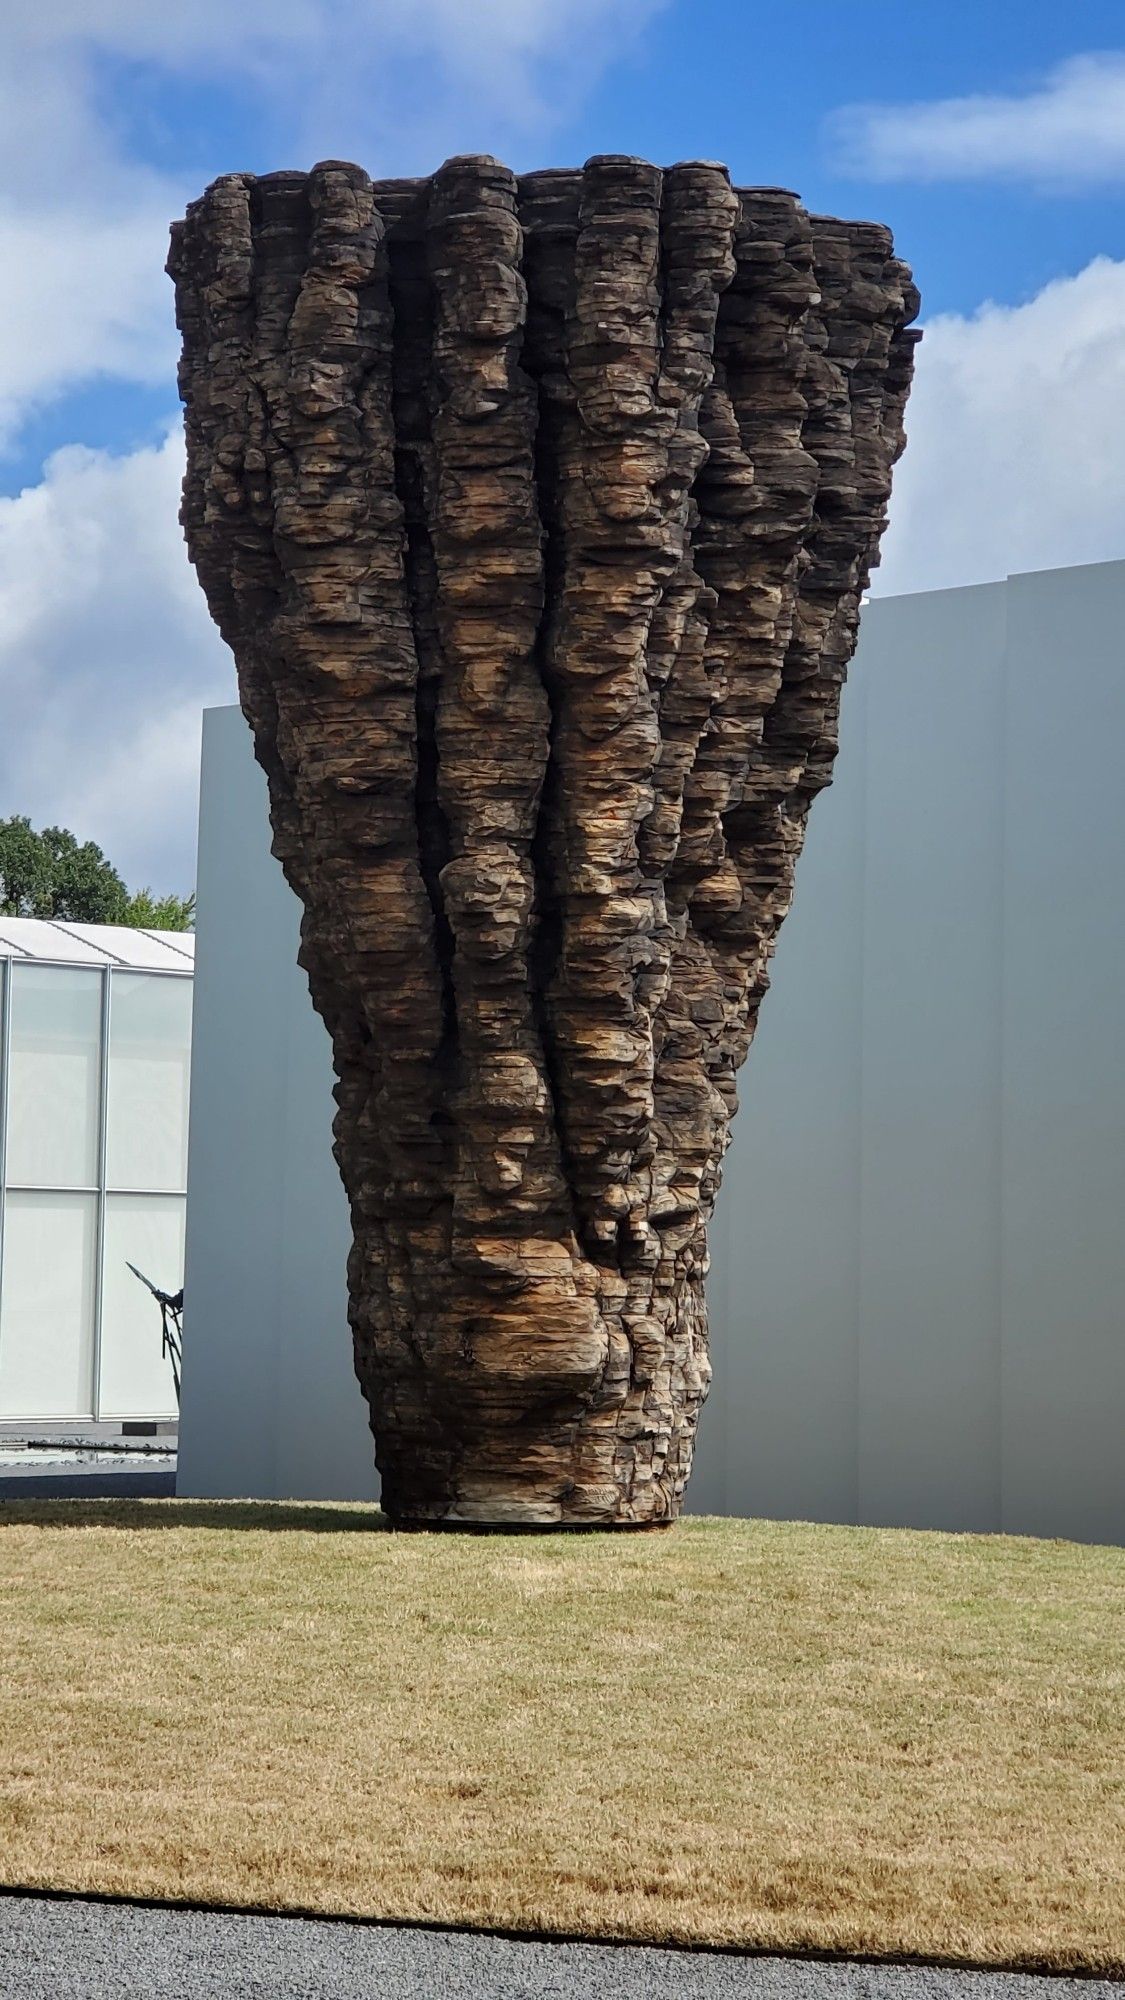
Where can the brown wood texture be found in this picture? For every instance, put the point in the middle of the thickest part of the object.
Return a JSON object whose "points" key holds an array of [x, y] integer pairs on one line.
{"points": [[536, 512]]}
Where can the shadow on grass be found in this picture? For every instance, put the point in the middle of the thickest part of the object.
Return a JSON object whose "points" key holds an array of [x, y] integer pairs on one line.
{"points": [[303, 1516], [260, 1516]]}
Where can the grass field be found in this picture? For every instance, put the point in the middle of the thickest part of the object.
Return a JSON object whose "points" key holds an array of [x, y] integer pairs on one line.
{"points": [[737, 1732]]}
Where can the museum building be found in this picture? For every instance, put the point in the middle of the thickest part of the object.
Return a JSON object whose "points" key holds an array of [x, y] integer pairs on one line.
{"points": [[95, 1047], [917, 1283]]}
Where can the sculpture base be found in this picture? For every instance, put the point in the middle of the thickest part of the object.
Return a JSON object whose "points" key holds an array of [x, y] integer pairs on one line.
{"points": [[448, 1525], [507, 1513]]}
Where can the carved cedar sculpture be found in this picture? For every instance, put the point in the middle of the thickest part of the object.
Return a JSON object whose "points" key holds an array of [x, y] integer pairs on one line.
{"points": [[536, 512]]}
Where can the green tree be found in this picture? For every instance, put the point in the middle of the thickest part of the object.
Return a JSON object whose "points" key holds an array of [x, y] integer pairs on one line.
{"points": [[50, 874], [146, 912]]}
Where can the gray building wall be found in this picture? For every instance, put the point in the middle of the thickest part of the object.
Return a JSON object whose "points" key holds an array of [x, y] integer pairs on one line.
{"points": [[270, 1405], [918, 1258]]}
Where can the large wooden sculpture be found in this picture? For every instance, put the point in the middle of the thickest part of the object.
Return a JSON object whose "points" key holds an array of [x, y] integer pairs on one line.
{"points": [[536, 512]]}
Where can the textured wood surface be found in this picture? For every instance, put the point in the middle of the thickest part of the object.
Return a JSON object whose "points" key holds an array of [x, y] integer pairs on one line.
{"points": [[536, 512]]}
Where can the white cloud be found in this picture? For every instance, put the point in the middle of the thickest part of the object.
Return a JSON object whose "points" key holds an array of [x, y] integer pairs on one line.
{"points": [[107, 656], [85, 298], [1068, 132], [107, 653], [1016, 453], [397, 84], [508, 64]]}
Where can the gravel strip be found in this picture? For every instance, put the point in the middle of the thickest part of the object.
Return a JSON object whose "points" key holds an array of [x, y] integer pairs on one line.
{"points": [[71, 1950], [40, 1478]]}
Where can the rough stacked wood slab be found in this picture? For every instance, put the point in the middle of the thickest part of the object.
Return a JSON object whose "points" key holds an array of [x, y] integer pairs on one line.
{"points": [[536, 512]]}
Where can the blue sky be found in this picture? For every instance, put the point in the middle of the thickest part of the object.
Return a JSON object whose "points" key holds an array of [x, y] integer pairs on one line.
{"points": [[990, 136]]}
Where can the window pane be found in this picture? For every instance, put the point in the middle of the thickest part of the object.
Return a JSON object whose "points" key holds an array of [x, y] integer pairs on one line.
{"points": [[148, 1231], [53, 1083], [149, 1057], [47, 1305]]}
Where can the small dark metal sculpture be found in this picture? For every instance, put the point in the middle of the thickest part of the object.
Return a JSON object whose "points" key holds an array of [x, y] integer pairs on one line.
{"points": [[536, 513], [171, 1325]]}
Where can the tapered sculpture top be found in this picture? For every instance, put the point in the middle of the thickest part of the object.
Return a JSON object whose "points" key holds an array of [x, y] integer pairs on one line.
{"points": [[536, 513]]}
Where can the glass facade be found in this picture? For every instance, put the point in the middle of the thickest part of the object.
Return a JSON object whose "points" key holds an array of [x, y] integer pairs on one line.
{"points": [[53, 1052], [94, 1064]]}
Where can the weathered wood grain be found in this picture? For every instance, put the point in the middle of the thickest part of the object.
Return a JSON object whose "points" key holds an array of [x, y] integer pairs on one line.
{"points": [[536, 513]]}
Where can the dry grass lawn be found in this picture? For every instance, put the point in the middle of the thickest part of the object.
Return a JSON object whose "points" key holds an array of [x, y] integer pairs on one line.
{"points": [[741, 1732]]}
